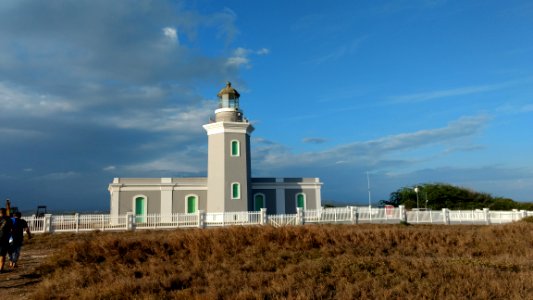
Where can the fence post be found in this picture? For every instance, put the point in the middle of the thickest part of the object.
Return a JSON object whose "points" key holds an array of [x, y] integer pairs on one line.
{"points": [[77, 221], [300, 216], [487, 216], [130, 221], [201, 219], [446, 216], [47, 225], [403, 213], [515, 214], [264, 217], [352, 215], [523, 214]]}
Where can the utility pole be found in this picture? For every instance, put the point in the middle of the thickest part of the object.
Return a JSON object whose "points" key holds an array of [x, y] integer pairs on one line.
{"points": [[369, 195]]}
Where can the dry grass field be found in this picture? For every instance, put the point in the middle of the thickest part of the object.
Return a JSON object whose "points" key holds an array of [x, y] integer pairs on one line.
{"points": [[307, 262]]}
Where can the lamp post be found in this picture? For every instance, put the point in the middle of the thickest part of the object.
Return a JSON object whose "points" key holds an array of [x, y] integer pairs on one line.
{"points": [[416, 191]]}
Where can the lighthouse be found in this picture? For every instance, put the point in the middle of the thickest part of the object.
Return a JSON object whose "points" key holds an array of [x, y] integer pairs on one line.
{"points": [[228, 161], [228, 187]]}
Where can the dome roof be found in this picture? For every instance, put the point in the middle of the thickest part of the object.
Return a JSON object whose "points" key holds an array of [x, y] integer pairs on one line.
{"points": [[228, 90]]}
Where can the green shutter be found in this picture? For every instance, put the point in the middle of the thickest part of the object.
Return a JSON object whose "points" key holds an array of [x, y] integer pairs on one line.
{"points": [[235, 191], [234, 148], [139, 206], [139, 209], [259, 202], [300, 199], [191, 204]]}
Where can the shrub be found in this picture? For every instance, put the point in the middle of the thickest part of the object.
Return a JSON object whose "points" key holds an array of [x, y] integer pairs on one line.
{"points": [[528, 219], [303, 262]]}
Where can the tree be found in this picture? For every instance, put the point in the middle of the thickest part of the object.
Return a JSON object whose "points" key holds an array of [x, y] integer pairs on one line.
{"points": [[442, 195]]}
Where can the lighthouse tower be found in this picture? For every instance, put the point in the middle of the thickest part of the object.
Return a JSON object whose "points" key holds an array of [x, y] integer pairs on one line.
{"points": [[228, 171]]}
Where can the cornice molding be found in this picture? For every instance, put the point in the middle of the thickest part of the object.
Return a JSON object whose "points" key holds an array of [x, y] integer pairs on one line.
{"points": [[231, 127]]}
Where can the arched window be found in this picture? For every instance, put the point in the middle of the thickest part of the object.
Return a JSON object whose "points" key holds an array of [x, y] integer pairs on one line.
{"points": [[140, 207], [300, 200], [259, 201], [235, 148], [235, 190], [191, 204]]}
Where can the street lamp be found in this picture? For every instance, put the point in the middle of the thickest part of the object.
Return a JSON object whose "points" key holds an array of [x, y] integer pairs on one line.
{"points": [[416, 191]]}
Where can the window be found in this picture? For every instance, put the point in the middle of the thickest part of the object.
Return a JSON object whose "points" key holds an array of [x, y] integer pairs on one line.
{"points": [[235, 151], [300, 200], [259, 202], [235, 190], [191, 204]]}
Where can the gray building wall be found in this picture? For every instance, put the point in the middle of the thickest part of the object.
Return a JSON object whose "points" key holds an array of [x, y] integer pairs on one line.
{"points": [[237, 170], [270, 199], [153, 203], [178, 200], [224, 169], [290, 199], [286, 189]]}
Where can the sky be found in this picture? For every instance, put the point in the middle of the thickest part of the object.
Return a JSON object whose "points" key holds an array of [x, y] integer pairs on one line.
{"points": [[408, 92]]}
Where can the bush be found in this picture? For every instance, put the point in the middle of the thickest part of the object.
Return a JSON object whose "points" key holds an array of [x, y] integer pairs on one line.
{"points": [[528, 219]]}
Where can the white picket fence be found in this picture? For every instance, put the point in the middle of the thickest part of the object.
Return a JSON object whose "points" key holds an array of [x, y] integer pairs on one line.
{"points": [[341, 215]]}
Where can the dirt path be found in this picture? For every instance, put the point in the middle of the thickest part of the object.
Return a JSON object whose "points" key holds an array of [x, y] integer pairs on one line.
{"points": [[18, 283]]}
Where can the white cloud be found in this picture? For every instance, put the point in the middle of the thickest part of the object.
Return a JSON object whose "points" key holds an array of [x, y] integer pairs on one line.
{"points": [[237, 61], [263, 51], [16, 133], [240, 56], [339, 52], [59, 175], [314, 140], [515, 109], [174, 118], [14, 99], [110, 168], [454, 92], [527, 108], [378, 151], [190, 160], [171, 34]]}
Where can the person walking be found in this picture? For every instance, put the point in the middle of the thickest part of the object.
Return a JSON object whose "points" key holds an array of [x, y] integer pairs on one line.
{"points": [[5, 233], [17, 234]]}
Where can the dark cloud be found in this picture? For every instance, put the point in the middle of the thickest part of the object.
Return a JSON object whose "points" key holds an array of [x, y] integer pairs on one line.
{"points": [[90, 90]]}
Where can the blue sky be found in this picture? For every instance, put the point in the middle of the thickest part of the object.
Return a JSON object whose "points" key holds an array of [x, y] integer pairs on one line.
{"points": [[410, 91]]}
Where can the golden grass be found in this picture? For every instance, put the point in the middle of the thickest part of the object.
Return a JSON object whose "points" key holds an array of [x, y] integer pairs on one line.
{"points": [[306, 262]]}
